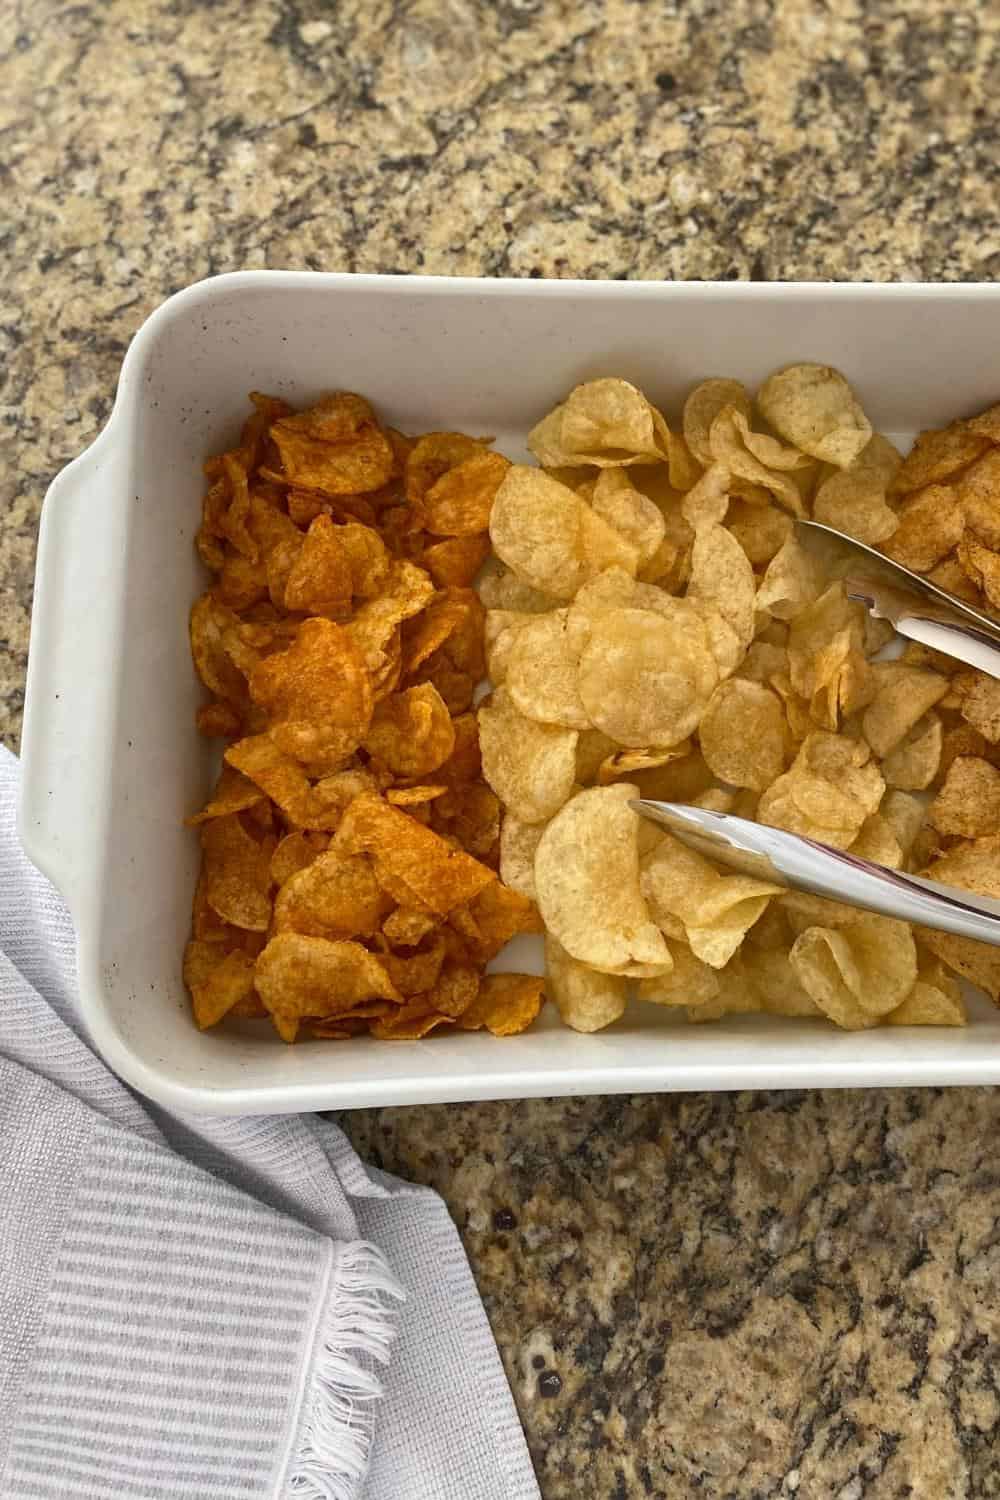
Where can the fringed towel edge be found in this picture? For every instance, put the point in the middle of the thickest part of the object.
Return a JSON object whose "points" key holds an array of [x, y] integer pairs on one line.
{"points": [[337, 1423]]}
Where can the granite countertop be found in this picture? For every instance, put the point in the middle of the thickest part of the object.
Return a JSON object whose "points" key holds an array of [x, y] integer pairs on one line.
{"points": [[738, 1296]]}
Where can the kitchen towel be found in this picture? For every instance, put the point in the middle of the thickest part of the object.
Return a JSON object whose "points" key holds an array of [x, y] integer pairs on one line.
{"points": [[215, 1309]]}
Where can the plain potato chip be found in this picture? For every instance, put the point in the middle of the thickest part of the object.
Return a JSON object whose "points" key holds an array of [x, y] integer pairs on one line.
{"points": [[617, 502], [877, 842], [931, 523], [411, 732], [501, 588], [237, 875], [912, 764], [701, 408], [716, 910], [791, 582], [690, 982], [585, 999], [624, 762], [903, 694], [541, 672], [761, 530], [830, 790], [644, 678], [814, 627], [770, 975], [530, 766], [728, 440], [721, 576], [707, 502], [968, 804], [506, 1004], [335, 896], [813, 407], [904, 814], [535, 528], [935, 1000], [587, 881], [299, 976], [602, 422], [743, 734], [518, 842], [859, 974], [853, 499]]}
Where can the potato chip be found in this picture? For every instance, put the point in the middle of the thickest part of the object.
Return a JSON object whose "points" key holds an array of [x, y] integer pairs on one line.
{"points": [[968, 804], [625, 508], [502, 626], [408, 590], [218, 721], [432, 456], [535, 527], [407, 926], [791, 583], [931, 523], [411, 732], [414, 865], [298, 976], [853, 499], [644, 678], [319, 582], [489, 921], [237, 878], [877, 842], [587, 881], [761, 531], [716, 910], [603, 422], [501, 588], [859, 974], [982, 567], [813, 407], [335, 896], [210, 625], [282, 778], [721, 575], [460, 502], [233, 793], [690, 982], [455, 562], [938, 455], [935, 1000], [414, 796], [318, 693], [707, 502], [296, 851], [623, 763], [829, 792], [729, 440], [743, 734], [913, 763], [336, 447], [518, 843], [701, 408], [418, 972], [585, 999], [813, 628], [905, 816], [506, 1004], [530, 766], [903, 694], [979, 703], [471, 814], [218, 980], [978, 494], [541, 672]]}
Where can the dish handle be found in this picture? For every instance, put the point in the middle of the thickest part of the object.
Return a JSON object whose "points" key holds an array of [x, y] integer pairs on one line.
{"points": [[72, 668]]}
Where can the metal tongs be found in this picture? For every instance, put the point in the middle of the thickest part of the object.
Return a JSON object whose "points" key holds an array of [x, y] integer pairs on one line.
{"points": [[922, 612]]}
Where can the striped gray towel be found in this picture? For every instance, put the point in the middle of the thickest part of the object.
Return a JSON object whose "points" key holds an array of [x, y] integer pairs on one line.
{"points": [[220, 1309]]}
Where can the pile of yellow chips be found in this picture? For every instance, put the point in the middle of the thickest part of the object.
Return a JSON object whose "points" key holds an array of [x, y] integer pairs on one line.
{"points": [[655, 628], [349, 850]]}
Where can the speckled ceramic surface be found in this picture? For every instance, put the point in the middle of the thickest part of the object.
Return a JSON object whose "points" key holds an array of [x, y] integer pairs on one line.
{"points": [[728, 1296]]}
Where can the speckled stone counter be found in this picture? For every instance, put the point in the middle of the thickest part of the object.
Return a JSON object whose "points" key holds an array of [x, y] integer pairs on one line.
{"points": [[709, 1296]]}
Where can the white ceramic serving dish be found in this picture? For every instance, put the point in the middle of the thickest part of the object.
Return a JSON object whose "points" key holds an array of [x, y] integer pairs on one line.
{"points": [[111, 758]]}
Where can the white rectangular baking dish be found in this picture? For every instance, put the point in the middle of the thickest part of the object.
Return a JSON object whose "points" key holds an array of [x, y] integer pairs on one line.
{"points": [[111, 758]]}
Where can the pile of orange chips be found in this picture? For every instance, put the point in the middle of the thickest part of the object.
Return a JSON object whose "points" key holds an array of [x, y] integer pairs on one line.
{"points": [[350, 848]]}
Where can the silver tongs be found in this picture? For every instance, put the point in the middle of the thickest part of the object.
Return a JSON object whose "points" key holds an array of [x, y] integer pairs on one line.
{"points": [[803, 864], [916, 608]]}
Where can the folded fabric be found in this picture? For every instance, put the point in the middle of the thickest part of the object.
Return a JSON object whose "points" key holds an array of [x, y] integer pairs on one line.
{"points": [[205, 1307]]}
